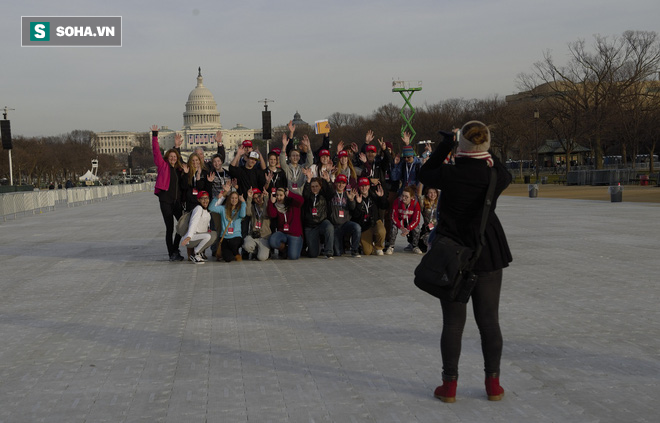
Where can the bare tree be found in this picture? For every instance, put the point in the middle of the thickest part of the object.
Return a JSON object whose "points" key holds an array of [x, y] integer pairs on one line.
{"points": [[588, 89]]}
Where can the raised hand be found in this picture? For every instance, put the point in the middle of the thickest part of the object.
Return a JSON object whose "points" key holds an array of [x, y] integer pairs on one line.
{"points": [[406, 138], [218, 137], [369, 137], [210, 177], [227, 187], [154, 128], [354, 147], [379, 191], [241, 198], [241, 150], [269, 177], [178, 140], [250, 194], [305, 141], [351, 194], [383, 146], [397, 159], [363, 157], [340, 146], [285, 141], [292, 128]]}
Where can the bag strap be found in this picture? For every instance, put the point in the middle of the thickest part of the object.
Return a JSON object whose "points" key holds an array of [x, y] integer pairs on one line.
{"points": [[488, 201]]}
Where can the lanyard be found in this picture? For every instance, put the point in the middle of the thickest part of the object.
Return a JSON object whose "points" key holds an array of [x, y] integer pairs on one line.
{"points": [[257, 211], [296, 172], [341, 198], [408, 170]]}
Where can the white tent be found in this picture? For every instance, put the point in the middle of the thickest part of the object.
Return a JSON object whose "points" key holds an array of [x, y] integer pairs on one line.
{"points": [[89, 176]]}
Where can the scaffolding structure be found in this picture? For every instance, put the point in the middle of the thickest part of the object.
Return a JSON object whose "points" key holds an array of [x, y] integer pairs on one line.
{"points": [[407, 89]]}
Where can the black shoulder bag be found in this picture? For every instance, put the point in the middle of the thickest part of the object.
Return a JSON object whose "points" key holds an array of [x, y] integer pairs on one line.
{"points": [[446, 269]]}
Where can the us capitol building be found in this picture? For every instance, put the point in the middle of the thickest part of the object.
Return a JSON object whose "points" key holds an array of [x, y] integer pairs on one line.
{"points": [[201, 121]]}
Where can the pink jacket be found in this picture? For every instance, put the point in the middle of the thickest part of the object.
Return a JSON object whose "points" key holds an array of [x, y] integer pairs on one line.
{"points": [[163, 175]]}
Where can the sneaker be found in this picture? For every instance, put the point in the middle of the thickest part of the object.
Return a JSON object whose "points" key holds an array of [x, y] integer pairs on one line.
{"points": [[329, 257], [203, 256], [197, 259], [416, 250], [408, 248], [389, 251], [355, 254], [179, 257], [173, 257], [379, 252]]}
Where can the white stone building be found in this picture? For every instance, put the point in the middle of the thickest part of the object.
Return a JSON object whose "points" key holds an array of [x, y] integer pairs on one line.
{"points": [[201, 121]]}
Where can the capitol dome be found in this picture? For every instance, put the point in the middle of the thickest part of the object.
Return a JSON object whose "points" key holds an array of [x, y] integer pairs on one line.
{"points": [[201, 108]]}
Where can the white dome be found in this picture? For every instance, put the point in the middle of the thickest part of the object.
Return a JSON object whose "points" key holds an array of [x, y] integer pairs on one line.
{"points": [[201, 108]]}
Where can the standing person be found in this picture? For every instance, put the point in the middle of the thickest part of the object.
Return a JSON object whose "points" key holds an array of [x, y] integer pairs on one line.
{"points": [[405, 217], [199, 229], [345, 167], [259, 229], [405, 171], [248, 176], [464, 187], [286, 207], [295, 176], [275, 176], [369, 202], [168, 190], [231, 215], [195, 180]]}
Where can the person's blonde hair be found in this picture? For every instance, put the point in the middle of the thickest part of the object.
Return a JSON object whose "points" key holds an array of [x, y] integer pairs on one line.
{"points": [[476, 133]]}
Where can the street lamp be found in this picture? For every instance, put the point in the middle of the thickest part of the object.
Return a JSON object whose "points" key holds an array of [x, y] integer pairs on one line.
{"points": [[536, 142]]}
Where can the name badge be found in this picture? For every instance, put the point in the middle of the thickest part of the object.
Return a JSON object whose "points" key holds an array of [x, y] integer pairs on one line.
{"points": [[341, 213], [195, 192], [257, 225], [366, 217], [314, 211], [431, 226], [230, 231], [294, 185], [285, 228], [273, 190]]}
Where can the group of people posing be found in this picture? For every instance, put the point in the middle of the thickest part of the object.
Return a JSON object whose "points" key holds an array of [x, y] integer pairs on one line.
{"points": [[296, 201], [357, 200]]}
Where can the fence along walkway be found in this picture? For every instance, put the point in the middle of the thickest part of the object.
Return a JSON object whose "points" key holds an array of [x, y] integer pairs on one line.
{"points": [[15, 204]]}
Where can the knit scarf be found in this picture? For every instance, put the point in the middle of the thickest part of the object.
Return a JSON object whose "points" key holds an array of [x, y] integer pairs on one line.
{"points": [[483, 155]]}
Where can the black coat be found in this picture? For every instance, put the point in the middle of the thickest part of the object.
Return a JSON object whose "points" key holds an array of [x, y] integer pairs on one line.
{"points": [[463, 189]]}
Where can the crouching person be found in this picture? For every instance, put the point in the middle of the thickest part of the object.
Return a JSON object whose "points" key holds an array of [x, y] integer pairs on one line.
{"points": [[199, 234], [231, 214], [259, 225], [367, 211]]}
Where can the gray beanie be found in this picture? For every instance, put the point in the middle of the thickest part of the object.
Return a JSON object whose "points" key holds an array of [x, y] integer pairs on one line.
{"points": [[466, 145]]}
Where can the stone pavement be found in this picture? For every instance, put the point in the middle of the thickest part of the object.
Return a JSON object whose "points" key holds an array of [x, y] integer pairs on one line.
{"points": [[97, 326]]}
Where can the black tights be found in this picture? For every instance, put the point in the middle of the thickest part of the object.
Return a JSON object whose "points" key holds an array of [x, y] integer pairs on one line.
{"points": [[485, 303], [171, 211]]}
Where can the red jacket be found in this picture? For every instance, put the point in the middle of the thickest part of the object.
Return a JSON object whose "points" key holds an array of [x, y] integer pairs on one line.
{"points": [[406, 217], [293, 218]]}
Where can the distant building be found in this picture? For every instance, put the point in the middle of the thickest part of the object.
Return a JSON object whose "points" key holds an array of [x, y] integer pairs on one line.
{"points": [[201, 121]]}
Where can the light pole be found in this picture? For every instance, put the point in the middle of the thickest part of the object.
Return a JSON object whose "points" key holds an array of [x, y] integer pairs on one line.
{"points": [[536, 142]]}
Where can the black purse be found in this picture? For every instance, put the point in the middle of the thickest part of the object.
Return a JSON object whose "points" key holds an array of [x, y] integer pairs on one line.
{"points": [[445, 271]]}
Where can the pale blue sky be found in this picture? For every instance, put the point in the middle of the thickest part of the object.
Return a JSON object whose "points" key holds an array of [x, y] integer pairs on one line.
{"points": [[311, 56]]}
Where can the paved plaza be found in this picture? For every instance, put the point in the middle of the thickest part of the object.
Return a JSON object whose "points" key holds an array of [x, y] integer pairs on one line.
{"points": [[97, 326]]}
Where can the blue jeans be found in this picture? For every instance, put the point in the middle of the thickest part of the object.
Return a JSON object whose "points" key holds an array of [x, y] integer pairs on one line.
{"points": [[349, 227], [294, 244], [313, 238]]}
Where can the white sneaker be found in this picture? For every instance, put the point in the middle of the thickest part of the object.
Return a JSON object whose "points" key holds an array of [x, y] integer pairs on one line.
{"points": [[379, 252], [389, 251], [197, 259], [416, 250]]}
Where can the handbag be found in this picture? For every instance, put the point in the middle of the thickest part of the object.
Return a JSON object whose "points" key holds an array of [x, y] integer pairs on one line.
{"points": [[182, 223], [445, 271]]}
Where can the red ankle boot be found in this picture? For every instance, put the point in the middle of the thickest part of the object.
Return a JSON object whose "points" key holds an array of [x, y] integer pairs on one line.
{"points": [[493, 389], [447, 392]]}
